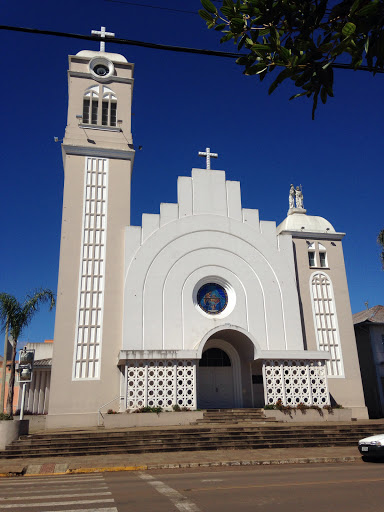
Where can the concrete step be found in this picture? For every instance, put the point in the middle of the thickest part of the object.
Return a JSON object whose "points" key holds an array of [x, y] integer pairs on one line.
{"points": [[279, 436]]}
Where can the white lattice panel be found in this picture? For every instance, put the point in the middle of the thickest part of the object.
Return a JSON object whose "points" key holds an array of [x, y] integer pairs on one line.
{"points": [[136, 384], [88, 340], [161, 383], [186, 372], [295, 382]]}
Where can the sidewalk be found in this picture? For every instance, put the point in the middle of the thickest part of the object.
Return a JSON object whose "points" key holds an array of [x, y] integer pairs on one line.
{"points": [[148, 461]]}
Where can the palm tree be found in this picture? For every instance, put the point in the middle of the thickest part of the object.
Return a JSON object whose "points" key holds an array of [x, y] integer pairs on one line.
{"points": [[14, 317], [380, 241]]}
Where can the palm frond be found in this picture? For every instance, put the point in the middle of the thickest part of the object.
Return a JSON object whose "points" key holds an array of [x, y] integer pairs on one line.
{"points": [[9, 307]]}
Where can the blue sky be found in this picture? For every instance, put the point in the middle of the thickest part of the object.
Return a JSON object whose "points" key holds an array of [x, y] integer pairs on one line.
{"points": [[182, 104]]}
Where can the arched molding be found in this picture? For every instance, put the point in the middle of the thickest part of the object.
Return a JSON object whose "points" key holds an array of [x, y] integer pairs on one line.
{"points": [[227, 327], [235, 363]]}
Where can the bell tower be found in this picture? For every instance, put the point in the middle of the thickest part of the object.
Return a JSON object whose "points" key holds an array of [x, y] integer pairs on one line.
{"points": [[98, 157]]}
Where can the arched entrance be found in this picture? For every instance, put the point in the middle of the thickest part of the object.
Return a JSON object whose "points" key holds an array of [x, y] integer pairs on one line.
{"points": [[215, 380], [225, 372], [219, 376]]}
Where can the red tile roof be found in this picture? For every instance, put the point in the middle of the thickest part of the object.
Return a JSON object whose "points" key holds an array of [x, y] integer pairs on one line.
{"points": [[373, 315]]}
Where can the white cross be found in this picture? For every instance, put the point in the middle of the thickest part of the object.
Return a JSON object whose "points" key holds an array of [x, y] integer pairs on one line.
{"points": [[102, 33], [207, 153]]}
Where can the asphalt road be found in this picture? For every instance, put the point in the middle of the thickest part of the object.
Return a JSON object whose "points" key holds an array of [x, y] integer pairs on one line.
{"points": [[310, 487]]}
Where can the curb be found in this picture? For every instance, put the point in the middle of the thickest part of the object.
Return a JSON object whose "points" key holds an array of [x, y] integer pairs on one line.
{"points": [[35, 471]]}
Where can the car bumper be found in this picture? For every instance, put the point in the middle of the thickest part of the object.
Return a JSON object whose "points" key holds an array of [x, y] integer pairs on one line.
{"points": [[370, 450]]}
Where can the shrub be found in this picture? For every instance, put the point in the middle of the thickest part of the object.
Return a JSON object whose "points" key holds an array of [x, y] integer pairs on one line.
{"points": [[157, 410]]}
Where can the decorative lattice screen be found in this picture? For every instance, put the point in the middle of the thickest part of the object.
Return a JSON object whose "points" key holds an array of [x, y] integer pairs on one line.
{"points": [[161, 383], [295, 382]]}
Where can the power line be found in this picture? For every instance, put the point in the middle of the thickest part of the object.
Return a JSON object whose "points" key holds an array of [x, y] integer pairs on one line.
{"points": [[151, 6], [154, 46]]}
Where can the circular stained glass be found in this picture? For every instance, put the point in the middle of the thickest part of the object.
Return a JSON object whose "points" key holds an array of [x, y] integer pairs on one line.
{"points": [[212, 298]]}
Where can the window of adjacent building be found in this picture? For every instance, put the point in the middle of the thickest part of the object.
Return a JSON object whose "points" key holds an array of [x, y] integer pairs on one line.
{"points": [[323, 256], [311, 255], [325, 321]]}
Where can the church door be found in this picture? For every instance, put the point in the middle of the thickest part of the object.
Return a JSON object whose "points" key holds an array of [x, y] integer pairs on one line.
{"points": [[215, 380]]}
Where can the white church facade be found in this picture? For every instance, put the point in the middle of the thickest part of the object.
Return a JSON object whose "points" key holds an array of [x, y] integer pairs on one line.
{"points": [[202, 306]]}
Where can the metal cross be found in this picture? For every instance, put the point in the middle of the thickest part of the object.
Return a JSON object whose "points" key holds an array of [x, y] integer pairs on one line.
{"points": [[207, 153], [102, 33]]}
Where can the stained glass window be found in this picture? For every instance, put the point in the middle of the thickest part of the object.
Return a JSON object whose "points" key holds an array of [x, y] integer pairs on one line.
{"points": [[212, 298]]}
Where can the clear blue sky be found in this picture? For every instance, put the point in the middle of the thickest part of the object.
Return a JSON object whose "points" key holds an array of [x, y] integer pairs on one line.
{"points": [[182, 104]]}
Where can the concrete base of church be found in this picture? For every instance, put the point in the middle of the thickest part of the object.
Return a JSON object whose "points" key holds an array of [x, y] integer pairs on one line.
{"points": [[151, 419], [71, 420], [10, 430], [311, 415]]}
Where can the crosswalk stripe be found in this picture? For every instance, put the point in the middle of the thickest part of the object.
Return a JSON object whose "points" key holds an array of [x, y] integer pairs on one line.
{"points": [[46, 496], [71, 486], [113, 509], [34, 480], [57, 503]]}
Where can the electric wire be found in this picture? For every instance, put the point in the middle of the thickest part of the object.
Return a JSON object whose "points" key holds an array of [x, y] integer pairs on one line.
{"points": [[155, 46]]}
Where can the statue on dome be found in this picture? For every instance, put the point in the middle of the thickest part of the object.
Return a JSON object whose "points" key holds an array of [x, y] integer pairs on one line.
{"points": [[296, 196], [299, 198], [292, 194]]}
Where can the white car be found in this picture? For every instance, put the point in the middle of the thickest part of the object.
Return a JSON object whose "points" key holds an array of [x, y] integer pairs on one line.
{"points": [[372, 446]]}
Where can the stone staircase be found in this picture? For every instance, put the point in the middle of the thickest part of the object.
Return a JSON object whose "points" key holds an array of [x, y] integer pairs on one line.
{"points": [[192, 438], [233, 416]]}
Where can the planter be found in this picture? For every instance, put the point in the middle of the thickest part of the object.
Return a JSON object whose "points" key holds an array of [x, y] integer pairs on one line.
{"points": [[10, 430], [151, 419], [309, 415]]}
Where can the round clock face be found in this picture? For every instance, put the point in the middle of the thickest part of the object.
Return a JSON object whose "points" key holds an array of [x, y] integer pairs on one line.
{"points": [[101, 70], [212, 298]]}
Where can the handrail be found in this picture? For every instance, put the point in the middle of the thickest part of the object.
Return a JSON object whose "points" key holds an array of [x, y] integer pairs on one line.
{"points": [[99, 413]]}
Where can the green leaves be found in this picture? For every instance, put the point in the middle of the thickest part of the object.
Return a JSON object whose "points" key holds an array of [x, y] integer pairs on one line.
{"points": [[299, 41], [348, 29], [208, 6]]}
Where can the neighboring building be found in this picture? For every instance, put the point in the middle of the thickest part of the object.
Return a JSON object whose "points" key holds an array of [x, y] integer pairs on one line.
{"points": [[369, 331], [16, 387], [204, 305], [37, 391]]}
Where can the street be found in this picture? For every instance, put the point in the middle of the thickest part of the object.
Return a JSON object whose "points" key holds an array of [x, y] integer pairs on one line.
{"points": [[315, 487]]}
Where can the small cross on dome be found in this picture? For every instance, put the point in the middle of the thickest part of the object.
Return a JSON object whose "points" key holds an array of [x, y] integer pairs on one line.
{"points": [[103, 34], [207, 153]]}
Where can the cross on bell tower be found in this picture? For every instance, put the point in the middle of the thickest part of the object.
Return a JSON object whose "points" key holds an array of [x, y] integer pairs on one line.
{"points": [[207, 153], [103, 34]]}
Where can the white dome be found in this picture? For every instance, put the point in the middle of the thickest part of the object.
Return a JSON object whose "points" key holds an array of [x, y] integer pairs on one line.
{"points": [[305, 223], [114, 57]]}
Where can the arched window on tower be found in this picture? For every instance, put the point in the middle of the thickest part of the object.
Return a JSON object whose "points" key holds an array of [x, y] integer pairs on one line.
{"points": [[109, 108], [323, 256], [325, 320], [91, 105], [98, 110], [312, 254]]}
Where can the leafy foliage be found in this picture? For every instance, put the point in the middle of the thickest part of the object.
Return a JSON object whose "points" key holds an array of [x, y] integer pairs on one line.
{"points": [[380, 241], [14, 318], [301, 39]]}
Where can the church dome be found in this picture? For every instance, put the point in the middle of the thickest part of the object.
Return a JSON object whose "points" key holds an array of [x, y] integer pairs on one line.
{"points": [[114, 57], [301, 222]]}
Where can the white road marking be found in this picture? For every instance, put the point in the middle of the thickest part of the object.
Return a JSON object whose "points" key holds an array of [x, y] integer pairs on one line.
{"points": [[52, 480], [46, 496], [70, 486], [57, 503], [113, 509], [181, 502]]}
